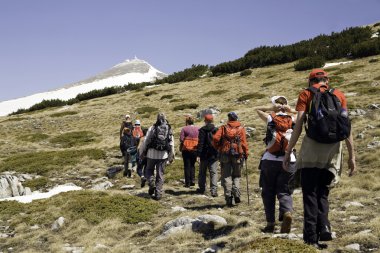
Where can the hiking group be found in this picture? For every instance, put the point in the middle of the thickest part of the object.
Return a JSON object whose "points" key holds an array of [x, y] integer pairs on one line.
{"points": [[316, 168]]}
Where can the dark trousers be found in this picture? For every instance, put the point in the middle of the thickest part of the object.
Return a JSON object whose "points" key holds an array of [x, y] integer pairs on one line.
{"points": [[314, 182], [189, 159], [141, 165], [159, 166], [274, 181]]}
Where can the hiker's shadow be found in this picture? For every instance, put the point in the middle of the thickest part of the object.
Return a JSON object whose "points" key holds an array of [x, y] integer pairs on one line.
{"points": [[178, 193], [204, 207]]}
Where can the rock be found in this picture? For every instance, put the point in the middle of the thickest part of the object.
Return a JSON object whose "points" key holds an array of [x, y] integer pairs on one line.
{"points": [[10, 186], [178, 209], [35, 227], [101, 247], [211, 110], [354, 246], [72, 249], [373, 144], [250, 131], [203, 223], [360, 135], [290, 236], [102, 186], [354, 218], [353, 203], [58, 224], [97, 180], [128, 187], [357, 112], [365, 232], [374, 107]]}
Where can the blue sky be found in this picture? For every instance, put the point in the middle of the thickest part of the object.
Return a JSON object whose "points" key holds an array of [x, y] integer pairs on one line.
{"points": [[46, 44]]}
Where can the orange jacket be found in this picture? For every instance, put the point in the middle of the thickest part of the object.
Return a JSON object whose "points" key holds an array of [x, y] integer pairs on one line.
{"points": [[221, 142]]}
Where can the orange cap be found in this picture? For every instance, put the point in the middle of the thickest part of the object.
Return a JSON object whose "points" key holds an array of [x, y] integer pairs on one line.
{"points": [[317, 73]]}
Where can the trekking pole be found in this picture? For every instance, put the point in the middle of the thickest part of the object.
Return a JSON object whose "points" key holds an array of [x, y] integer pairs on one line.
{"points": [[246, 176]]}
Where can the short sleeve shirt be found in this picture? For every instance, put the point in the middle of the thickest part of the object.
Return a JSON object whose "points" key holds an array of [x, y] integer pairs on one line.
{"points": [[305, 97]]}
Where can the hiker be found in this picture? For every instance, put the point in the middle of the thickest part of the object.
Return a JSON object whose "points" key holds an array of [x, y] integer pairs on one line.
{"points": [[129, 150], [127, 123], [137, 132], [231, 143], [158, 148], [207, 157], [320, 157], [188, 147], [141, 161], [273, 178]]}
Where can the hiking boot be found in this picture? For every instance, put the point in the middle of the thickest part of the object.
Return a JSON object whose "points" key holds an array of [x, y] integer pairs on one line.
{"points": [[151, 190], [143, 181], [237, 200], [192, 184], [286, 223], [186, 186], [214, 194], [325, 234], [200, 191], [316, 245], [156, 197], [229, 201], [269, 228]]}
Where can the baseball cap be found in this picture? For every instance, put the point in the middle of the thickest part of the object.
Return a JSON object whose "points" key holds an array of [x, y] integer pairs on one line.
{"points": [[315, 73], [232, 116], [137, 122], [127, 116]]}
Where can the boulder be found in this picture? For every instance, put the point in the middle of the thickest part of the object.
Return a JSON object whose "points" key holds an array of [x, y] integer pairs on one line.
{"points": [[373, 144], [128, 187], [10, 186], [357, 112], [211, 110], [58, 224], [102, 186], [354, 246]]}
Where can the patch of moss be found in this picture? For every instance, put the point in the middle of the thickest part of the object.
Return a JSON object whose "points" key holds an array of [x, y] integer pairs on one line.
{"points": [[269, 84], [72, 139], [373, 60], [348, 70], [277, 245], [37, 183], [177, 100], [254, 95], [94, 207], [45, 161], [214, 93], [146, 109], [61, 114], [185, 106], [150, 93], [166, 97], [33, 137]]}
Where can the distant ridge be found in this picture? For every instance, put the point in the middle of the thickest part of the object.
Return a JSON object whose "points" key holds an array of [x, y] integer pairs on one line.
{"points": [[129, 71]]}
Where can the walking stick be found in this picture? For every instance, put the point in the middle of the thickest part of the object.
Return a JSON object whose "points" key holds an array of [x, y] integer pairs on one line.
{"points": [[246, 176]]}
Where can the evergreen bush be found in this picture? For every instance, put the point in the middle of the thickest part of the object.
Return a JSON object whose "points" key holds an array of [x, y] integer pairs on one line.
{"points": [[309, 63], [366, 48], [185, 106], [246, 72]]}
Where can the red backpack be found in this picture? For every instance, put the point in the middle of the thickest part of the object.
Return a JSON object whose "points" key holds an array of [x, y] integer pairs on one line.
{"points": [[276, 131], [231, 140]]}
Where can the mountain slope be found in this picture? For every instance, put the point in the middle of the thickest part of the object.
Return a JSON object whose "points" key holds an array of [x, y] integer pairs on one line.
{"points": [[129, 71]]}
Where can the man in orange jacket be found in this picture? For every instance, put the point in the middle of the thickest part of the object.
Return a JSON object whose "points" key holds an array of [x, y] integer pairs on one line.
{"points": [[231, 143]]}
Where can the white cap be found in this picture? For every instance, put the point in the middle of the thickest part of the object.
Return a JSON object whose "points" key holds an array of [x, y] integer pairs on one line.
{"points": [[137, 122], [273, 99], [127, 116]]}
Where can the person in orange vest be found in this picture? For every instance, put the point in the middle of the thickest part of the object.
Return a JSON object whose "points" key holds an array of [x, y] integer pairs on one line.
{"points": [[231, 143]]}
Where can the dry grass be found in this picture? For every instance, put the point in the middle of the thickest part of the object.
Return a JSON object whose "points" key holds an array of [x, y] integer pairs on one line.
{"points": [[21, 137]]}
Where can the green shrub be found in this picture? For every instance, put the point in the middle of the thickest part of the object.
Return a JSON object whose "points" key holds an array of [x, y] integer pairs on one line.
{"points": [[61, 114], [309, 63], [254, 95], [185, 106], [150, 93], [366, 48], [146, 109], [166, 97], [176, 100], [277, 245], [72, 139], [15, 119], [33, 137], [45, 161], [373, 60], [188, 74], [214, 93], [246, 72], [335, 80]]}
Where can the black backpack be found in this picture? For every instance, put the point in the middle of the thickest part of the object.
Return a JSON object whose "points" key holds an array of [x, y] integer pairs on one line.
{"points": [[161, 137], [326, 121]]}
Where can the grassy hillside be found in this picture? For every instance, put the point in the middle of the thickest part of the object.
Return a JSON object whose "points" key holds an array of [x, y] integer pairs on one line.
{"points": [[77, 143]]}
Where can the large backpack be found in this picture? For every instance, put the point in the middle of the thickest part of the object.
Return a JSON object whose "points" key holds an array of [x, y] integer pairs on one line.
{"points": [[326, 121], [276, 134], [231, 138], [127, 142], [161, 135]]}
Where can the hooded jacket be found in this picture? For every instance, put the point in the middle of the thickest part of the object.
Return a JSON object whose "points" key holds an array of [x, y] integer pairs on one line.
{"points": [[205, 150]]}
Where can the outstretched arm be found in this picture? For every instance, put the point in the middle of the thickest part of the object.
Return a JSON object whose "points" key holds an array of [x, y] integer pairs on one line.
{"points": [[293, 140]]}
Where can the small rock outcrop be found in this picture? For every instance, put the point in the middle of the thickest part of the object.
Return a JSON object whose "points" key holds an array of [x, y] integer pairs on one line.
{"points": [[10, 186], [211, 110]]}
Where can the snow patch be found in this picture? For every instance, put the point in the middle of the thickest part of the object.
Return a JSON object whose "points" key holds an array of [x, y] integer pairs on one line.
{"points": [[327, 65], [44, 195]]}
